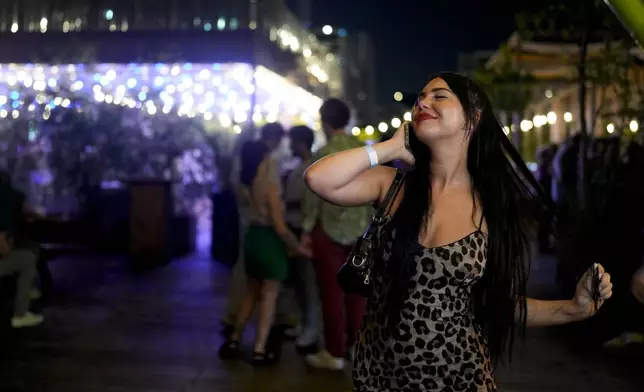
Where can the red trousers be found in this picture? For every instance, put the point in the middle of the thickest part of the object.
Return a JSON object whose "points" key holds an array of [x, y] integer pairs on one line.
{"points": [[342, 313]]}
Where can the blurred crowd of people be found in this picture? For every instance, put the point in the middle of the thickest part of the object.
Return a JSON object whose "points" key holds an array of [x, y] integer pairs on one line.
{"points": [[292, 239], [610, 229]]}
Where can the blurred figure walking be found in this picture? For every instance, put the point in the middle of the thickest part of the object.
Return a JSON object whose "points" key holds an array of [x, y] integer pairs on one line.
{"points": [[331, 231]]}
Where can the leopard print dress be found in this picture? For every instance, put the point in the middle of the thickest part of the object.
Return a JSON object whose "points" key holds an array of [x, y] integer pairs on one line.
{"points": [[439, 346]]}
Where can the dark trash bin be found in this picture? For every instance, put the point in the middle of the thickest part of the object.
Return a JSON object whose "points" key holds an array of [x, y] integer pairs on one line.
{"points": [[150, 228]]}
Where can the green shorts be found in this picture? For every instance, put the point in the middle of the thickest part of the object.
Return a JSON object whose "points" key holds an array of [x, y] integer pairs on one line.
{"points": [[265, 255]]}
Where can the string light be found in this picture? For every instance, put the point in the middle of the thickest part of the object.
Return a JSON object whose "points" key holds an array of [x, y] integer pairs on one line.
{"points": [[551, 117], [539, 120], [633, 126], [526, 125], [162, 88]]}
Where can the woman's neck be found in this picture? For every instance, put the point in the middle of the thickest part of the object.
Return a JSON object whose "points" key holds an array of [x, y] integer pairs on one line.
{"points": [[449, 165]]}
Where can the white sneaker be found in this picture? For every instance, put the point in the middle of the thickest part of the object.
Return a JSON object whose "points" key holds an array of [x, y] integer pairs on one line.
{"points": [[307, 337], [324, 360], [28, 320]]}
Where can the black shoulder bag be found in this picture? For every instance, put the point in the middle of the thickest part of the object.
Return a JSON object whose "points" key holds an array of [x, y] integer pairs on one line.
{"points": [[354, 276]]}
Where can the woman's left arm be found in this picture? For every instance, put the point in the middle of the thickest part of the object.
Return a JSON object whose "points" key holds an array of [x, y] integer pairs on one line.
{"points": [[551, 313], [582, 306]]}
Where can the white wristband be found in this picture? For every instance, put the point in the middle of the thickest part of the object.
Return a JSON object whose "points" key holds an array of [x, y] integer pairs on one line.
{"points": [[373, 156]]}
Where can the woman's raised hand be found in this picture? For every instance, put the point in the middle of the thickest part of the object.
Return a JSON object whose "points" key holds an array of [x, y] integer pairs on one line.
{"points": [[399, 146]]}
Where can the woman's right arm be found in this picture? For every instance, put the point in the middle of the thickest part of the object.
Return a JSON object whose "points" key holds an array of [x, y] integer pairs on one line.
{"points": [[346, 179], [276, 213]]}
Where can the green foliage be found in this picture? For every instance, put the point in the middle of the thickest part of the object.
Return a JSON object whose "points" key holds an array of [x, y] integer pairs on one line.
{"points": [[571, 21], [581, 23], [509, 90], [509, 87], [627, 75], [618, 78]]}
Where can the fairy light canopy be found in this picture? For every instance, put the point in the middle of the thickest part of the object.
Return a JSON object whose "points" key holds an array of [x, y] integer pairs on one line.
{"points": [[230, 94]]}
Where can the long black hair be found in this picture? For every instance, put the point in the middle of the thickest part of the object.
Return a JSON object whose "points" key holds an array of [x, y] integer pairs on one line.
{"points": [[252, 155], [511, 202]]}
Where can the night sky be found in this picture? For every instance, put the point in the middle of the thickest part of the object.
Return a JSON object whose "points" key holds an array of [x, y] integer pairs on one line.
{"points": [[414, 38]]}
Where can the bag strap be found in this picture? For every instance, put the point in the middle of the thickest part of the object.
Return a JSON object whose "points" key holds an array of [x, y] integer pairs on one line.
{"points": [[389, 198]]}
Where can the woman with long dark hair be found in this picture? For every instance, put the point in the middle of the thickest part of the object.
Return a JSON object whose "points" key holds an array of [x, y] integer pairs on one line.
{"points": [[449, 287], [265, 250]]}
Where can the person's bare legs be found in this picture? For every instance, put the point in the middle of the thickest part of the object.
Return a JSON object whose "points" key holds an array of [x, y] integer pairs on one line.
{"points": [[269, 291], [250, 298], [239, 279]]}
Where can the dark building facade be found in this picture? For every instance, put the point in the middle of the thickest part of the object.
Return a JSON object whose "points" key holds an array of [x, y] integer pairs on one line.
{"points": [[262, 32], [124, 15], [355, 56]]}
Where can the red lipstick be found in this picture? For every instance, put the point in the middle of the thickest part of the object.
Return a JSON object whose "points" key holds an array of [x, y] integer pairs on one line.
{"points": [[423, 116]]}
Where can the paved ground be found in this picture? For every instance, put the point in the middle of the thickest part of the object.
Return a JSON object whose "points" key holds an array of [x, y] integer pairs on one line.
{"points": [[113, 331]]}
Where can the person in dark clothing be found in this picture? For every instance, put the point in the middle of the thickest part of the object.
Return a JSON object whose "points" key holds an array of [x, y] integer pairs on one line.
{"points": [[544, 176], [15, 259], [20, 215], [569, 166], [623, 321]]}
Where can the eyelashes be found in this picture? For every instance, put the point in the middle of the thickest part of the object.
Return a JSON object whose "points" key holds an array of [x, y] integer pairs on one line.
{"points": [[436, 97]]}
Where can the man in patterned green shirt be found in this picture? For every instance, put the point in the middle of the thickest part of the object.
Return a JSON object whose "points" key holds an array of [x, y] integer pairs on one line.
{"points": [[343, 224], [331, 231]]}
